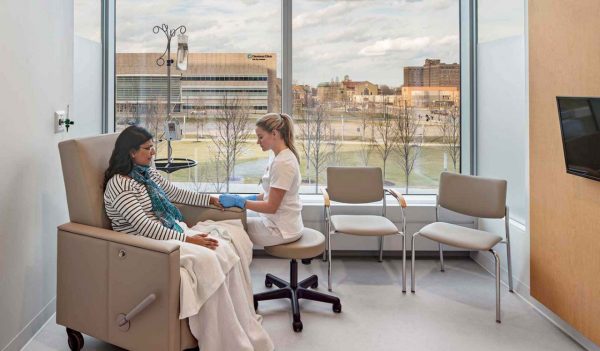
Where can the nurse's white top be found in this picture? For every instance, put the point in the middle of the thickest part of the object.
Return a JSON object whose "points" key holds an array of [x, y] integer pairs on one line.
{"points": [[284, 173]]}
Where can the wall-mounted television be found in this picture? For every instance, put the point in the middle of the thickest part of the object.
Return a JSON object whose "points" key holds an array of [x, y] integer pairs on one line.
{"points": [[580, 130]]}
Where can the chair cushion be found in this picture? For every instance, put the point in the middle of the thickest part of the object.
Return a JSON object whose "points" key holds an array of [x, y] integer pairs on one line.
{"points": [[458, 236], [363, 225], [310, 244]]}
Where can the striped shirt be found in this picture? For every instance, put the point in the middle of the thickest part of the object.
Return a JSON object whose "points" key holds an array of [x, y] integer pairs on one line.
{"points": [[129, 207]]}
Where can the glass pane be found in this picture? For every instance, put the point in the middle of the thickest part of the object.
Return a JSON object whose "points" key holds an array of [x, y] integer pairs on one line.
{"points": [[377, 84], [232, 77]]}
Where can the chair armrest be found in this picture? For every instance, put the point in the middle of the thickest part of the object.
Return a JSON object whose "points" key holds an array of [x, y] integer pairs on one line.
{"points": [[326, 197], [195, 214], [398, 197], [120, 238]]}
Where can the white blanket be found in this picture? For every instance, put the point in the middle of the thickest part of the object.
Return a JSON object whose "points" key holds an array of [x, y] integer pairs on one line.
{"points": [[216, 290]]}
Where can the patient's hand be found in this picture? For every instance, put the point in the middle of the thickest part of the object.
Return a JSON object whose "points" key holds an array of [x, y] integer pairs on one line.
{"points": [[202, 240], [215, 202]]}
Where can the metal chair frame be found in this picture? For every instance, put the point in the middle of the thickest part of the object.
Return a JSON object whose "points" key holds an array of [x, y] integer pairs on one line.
{"points": [[496, 258], [330, 232]]}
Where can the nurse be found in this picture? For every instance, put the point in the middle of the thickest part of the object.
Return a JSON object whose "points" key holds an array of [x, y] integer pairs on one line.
{"points": [[279, 207]]}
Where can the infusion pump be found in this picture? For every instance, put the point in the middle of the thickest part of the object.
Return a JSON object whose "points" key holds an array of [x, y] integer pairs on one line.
{"points": [[173, 130]]}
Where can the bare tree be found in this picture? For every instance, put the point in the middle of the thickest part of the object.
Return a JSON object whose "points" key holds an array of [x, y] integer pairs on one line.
{"points": [[155, 112], [387, 137], [450, 135], [367, 145], [316, 133], [232, 130], [409, 142]]}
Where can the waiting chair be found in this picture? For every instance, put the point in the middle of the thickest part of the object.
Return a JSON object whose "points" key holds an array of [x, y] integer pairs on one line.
{"points": [[116, 287], [310, 244], [472, 196], [357, 185]]}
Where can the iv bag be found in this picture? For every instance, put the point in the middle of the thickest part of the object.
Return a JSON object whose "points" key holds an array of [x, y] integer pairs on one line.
{"points": [[182, 52]]}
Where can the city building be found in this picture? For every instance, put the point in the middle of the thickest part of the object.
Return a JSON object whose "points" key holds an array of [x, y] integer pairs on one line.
{"points": [[436, 98], [247, 79], [433, 73]]}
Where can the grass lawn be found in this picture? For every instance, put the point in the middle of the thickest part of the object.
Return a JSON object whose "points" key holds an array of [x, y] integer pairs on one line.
{"points": [[250, 166]]}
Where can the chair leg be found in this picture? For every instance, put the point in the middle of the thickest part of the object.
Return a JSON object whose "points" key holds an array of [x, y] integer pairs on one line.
{"points": [[381, 249], [412, 258], [441, 257], [404, 262], [329, 262], [508, 256], [497, 258]]}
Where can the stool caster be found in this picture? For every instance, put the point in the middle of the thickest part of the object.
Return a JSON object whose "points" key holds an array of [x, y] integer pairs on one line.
{"points": [[268, 284], [306, 260], [297, 326], [255, 305], [337, 307]]}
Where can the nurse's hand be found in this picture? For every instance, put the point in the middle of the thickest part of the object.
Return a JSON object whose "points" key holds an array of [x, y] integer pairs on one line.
{"points": [[228, 200]]}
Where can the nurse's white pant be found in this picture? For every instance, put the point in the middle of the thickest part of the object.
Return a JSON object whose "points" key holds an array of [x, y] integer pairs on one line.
{"points": [[263, 236]]}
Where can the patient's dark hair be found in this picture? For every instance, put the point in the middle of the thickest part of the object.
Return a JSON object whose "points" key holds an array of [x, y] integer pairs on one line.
{"points": [[130, 139]]}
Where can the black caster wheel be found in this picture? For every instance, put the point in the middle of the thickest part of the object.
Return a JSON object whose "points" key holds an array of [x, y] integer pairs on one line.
{"points": [[315, 285], [75, 340], [255, 305], [337, 307], [268, 284], [297, 326], [306, 260]]}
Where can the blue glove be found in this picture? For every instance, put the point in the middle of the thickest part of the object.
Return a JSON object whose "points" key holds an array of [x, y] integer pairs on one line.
{"points": [[230, 200], [227, 200], [251, 197]]}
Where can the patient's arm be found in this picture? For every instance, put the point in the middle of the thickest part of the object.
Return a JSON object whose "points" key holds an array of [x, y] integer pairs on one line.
{"points": [[179, 195]]}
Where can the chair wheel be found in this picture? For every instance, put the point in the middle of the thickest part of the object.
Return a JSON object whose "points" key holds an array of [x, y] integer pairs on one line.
{"points": [[75, 340], [297, 326], [255, 305], [268, 284], [337, 307], [306, 260], [315, 285]]}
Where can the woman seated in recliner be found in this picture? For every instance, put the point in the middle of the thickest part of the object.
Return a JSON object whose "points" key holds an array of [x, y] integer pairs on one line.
{"points": [[216, 294]]}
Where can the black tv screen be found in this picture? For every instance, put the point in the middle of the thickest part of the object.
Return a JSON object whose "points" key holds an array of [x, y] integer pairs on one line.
{"points": [[579, 127]]}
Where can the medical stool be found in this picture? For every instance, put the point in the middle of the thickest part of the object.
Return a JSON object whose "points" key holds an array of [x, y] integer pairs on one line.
{"points": [[311, 244]]}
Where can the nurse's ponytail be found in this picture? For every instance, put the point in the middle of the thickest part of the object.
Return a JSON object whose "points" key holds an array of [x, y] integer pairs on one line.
{"points": [[284, 125]]}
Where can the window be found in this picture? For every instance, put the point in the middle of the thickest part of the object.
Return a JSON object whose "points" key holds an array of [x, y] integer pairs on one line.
{"points": [[374, 83], [378, 84]]}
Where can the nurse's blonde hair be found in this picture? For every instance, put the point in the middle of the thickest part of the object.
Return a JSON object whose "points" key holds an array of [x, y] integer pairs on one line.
{"points": [[282, 123]]}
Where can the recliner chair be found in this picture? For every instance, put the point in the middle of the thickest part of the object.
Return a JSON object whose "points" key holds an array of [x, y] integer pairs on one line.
{"points": [[116, 287]]}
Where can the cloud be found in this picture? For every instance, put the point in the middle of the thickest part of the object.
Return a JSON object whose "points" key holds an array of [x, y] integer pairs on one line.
{"points": [[383, 47], [333, 13]]}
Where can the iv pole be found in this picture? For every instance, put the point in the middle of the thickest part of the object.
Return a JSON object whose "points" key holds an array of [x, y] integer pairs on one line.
{"points": [[169, 33], [170, 165]]}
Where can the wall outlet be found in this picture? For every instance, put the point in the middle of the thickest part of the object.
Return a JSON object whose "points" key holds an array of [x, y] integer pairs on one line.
{"points": [[59, 121]]}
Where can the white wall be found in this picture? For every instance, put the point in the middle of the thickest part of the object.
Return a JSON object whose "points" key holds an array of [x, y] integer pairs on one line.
{"points": [[37, 79]]}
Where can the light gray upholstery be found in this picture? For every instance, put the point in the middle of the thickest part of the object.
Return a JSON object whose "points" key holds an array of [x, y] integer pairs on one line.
{"points": [[102, 273], [458, 236], [363, 225], [310, 244], [473, 196], [355, 184]]}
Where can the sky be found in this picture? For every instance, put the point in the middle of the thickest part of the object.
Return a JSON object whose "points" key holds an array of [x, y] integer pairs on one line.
{"points": [[366, 39]]}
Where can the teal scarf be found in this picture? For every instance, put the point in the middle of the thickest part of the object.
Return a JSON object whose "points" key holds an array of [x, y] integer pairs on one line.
{"points": [[166, 212]]}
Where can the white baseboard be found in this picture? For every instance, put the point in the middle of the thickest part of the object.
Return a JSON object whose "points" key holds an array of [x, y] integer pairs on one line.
{"points": [[523, 291], [32, 328]]}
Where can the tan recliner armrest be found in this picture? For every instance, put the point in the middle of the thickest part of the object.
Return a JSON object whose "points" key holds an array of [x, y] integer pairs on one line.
{"points": [[195, 214], [120, 238]]}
